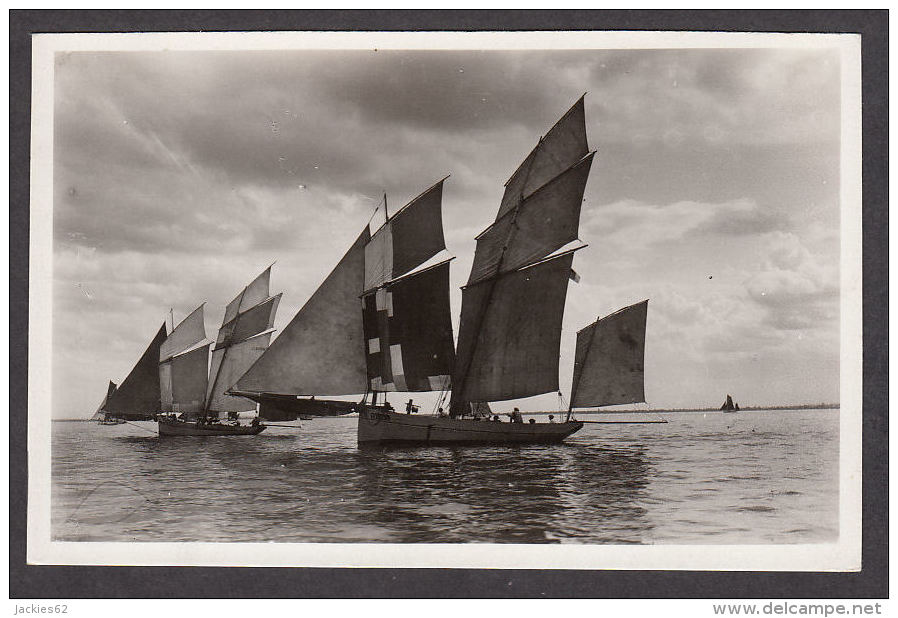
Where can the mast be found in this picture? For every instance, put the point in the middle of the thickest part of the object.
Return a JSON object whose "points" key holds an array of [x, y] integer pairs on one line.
{"points": [[516, 256], [577, 374]]}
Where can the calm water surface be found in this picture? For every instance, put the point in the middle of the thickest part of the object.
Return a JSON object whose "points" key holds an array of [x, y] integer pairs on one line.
{"points": [[751, 477]]}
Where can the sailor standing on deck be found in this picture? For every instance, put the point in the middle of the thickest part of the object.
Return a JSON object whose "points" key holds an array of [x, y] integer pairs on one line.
{"points": [[516, 416]]}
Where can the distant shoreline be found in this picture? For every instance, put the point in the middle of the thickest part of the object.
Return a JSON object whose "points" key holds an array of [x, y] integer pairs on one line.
{"points": [[804, 406]]}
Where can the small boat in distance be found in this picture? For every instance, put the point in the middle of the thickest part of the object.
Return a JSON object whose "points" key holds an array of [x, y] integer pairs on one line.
{"points": [[729, 406]]}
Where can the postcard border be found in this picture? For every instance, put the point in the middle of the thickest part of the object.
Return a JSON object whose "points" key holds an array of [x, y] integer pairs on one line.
{"points": [[874, 348]]}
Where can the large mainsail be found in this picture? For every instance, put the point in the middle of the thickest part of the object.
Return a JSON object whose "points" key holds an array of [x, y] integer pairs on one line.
{"points": [[322, 350], [513, 352], [609, 363], [512, 306], [183, 366], [406, 315], [243, 337], [138, 395]]}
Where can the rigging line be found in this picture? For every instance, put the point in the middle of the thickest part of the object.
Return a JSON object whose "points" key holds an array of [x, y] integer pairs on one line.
{"points": [[372, 215], [441, 401]]}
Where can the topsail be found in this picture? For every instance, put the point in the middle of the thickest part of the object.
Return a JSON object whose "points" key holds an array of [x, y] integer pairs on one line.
{"points": [[609, 364], [510, 330], [243, 337]]}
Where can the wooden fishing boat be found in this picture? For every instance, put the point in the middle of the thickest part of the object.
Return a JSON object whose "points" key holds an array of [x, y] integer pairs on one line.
{"points": [[194, 393], [379, 426]]}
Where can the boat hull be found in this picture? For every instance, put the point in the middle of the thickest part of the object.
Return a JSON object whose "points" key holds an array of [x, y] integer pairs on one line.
{"points": [[273, 407], [185, 428], [380, 427]]}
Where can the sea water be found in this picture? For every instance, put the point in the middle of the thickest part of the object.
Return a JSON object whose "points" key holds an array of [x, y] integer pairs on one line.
{"points": [[702, 478]]}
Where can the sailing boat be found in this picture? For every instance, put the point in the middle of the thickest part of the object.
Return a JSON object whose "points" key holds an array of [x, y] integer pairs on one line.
{"points": [[243, 337], [399, 339], [512, 305], [609, 362], [138, 397], [101, 416], [729, 406]]}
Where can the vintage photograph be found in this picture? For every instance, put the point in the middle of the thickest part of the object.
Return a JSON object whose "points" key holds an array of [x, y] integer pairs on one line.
{"points": [[449, 291]]}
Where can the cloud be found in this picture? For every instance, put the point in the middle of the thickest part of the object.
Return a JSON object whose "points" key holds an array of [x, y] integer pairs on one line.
{"points": [[722, 96], [629, 222], [798, 289]]}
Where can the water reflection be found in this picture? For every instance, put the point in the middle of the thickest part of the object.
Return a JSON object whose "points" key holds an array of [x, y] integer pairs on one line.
{"points": [[515, 494]]}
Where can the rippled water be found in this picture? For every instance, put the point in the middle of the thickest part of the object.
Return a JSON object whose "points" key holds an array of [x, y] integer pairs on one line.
{"points": [[751, 477]]}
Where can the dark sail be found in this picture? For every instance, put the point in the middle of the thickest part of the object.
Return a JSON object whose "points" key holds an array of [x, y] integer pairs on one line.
{"points": [[544, 222], [510, 331], [728, 404], [609, 364], [411, 237], [138, 396], [513, 352], [322, 350], [408, 329], [562, 147]]}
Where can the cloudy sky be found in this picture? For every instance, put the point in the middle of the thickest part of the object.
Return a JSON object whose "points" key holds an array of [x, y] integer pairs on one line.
{"points": [[179, 176]]}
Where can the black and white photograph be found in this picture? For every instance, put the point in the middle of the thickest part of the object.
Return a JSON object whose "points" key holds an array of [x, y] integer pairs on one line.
{"points": [[537, 300]]}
